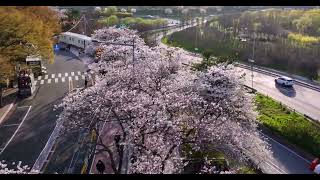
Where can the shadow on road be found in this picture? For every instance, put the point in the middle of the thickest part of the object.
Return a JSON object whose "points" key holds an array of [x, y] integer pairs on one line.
{"points": [[287, 91], [32, 135]]}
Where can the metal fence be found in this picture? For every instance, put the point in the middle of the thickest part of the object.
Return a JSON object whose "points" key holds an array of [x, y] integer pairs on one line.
{"points": [[44, 156], [277, 74]]}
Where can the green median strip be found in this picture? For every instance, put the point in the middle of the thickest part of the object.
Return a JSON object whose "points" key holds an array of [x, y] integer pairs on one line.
{"points": [[292, 126]]}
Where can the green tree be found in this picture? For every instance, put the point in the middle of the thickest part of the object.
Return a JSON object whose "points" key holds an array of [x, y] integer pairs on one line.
{"points": [[73, 14], [111, 10], [26, 31]]}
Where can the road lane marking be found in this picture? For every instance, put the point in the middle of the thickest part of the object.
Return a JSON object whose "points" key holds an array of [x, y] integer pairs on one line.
{"points": [[72, 73], [23, 107], [9, 125], [49, 81], [39, 77], [5, 114], [275, 167], [286, 148], [70, 85], [42, 81], [79, 73], [59, 75], [53, 75], [63, 79], [46, 77], [55, 80], [24, 118], [35, 82], [65, 74], [76, 77]]}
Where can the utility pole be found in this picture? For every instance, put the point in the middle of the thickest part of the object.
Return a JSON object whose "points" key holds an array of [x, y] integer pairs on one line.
{"points": [[84, 22], [134, 39], [252, 61], [0, 96]]}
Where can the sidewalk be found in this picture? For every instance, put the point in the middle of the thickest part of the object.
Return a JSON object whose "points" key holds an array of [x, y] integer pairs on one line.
{"points": [[9, 99], [107, 135]]}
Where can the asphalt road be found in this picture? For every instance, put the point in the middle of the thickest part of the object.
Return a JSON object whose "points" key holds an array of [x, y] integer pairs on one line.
{"points": [[302, 99], [31, 123]]}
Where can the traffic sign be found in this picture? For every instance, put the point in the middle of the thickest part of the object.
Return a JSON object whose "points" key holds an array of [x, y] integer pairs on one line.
{"points": [[56, 47]]}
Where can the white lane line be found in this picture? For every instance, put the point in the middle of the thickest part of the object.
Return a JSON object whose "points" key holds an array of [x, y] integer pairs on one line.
{"points": [[70, 78], [24, 118], [39, 77], [267, 162], [76, 77], [287, 148], [79, 73], [59, 75], [49, 81], [275, 167], [55, 80], [63, 79], [5, 114], [65, 74], [46, 77], [10, 125], [72, 73], [35, 82], [23, 107], [53, 75], [42, 81]]}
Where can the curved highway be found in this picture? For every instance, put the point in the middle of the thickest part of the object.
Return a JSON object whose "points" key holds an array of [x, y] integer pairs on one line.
{"points": [[302, 99]]}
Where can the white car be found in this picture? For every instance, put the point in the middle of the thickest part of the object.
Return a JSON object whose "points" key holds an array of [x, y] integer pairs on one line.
{"points": [[283, 80]]}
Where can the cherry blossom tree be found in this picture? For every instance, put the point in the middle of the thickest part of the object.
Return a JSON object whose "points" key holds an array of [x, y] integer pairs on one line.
{"points": [[16, 168], [157, 106]]}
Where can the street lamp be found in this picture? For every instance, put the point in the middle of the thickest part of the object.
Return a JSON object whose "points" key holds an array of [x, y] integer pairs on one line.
{"points": [[0, 95], [252, 61]]}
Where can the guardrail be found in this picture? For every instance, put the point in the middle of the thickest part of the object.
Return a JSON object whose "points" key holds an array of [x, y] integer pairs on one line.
{"points": [[299, 82], [47, 151]]}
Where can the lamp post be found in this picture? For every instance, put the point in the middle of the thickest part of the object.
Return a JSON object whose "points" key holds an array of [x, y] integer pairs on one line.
{"points": [[0, 96], [252, 61]]}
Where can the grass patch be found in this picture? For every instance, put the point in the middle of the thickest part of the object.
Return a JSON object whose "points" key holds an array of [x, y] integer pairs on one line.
{"points": [[218, 159], [292, 126], [247, 170]]}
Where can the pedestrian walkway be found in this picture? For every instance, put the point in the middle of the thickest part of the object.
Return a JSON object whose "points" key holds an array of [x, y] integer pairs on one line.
{"points": [[61, 77]]}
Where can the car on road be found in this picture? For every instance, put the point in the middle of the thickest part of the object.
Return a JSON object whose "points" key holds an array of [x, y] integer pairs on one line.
{"points": [[285, 81]]}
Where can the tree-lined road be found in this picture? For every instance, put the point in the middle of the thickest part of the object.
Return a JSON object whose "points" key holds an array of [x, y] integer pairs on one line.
{"points": [[34, 119], [304, 100]]}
